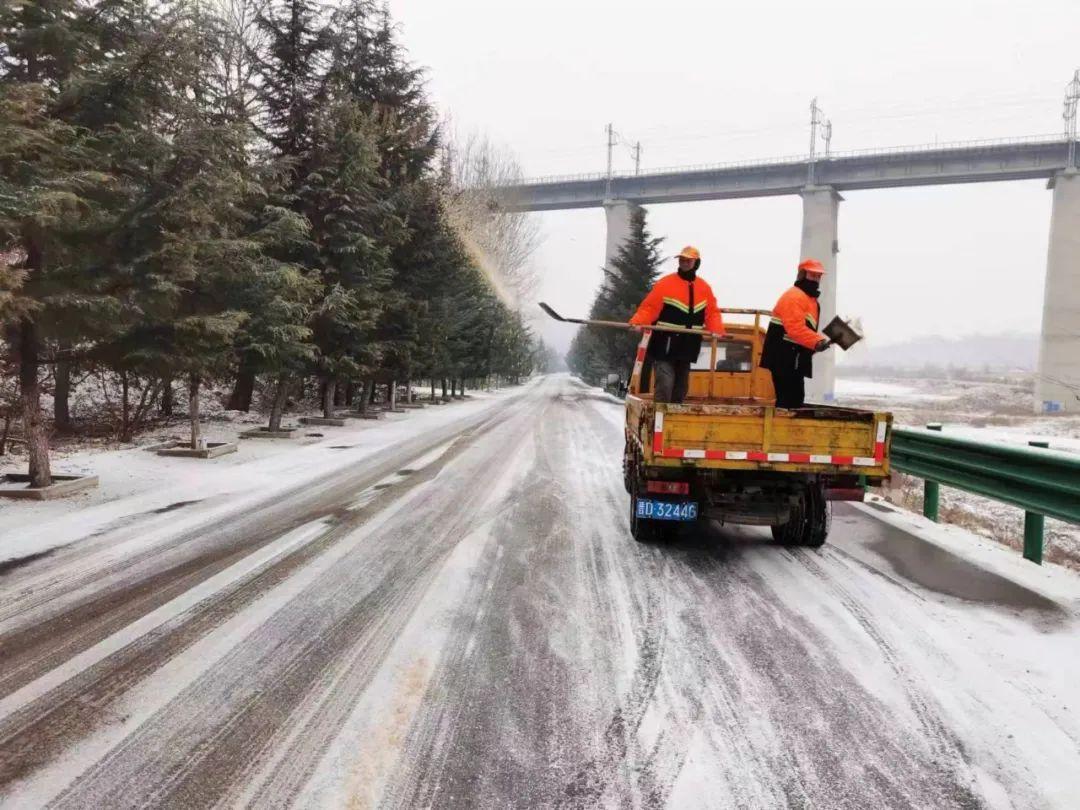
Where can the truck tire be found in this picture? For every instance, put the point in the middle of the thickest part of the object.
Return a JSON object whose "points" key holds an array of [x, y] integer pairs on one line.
{"points": [[790, 533], [809, 522], [817, 518], [629, 467]]}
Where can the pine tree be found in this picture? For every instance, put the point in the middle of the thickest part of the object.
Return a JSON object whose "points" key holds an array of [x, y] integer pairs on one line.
{"points": [[195, 240], [280, 60], [58, 198], [278, 298], [343, 197], [371, 68], [431, 266], [595, 352], [293, 75], [43, 42], [186, 246]]}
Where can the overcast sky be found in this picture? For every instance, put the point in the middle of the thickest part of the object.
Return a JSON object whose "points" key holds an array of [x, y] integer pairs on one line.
{"points": [[709, 82]]}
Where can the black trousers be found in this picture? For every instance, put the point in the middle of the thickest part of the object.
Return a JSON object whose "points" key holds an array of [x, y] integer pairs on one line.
{"points": [[790, 387], [672, 380]]}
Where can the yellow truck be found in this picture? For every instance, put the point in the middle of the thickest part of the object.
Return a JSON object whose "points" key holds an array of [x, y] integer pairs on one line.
{"points": [[728, 454]]}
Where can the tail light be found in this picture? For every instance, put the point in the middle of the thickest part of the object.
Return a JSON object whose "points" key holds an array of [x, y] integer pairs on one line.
{"points": [[668, 487]]}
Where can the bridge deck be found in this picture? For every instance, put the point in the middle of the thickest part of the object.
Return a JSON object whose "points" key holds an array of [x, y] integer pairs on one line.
{"points": [[971, 163]]}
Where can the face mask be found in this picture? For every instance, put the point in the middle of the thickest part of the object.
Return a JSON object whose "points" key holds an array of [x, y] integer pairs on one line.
{"points": [[687, 275], [809, 287]]}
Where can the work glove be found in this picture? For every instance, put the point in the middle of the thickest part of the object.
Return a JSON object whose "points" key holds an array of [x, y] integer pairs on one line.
{"points": [[822, 345]]}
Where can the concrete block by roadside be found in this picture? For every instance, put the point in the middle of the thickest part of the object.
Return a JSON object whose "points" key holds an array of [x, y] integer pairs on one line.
{"points": [[212, 450], [323, 421], [16, 485], [266, 433], [359, 415], [412, 406], [162, 444]]}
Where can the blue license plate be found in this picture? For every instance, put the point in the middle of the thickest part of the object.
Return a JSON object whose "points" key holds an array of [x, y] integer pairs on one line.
{"points": [[666, 510]]}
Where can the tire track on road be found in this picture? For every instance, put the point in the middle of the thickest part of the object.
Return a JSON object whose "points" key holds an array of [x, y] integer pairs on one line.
{"points": [[783, 702], [42, 729], [294, 762], [946, 746], [297, 675], [90, 604], [508, 719]]}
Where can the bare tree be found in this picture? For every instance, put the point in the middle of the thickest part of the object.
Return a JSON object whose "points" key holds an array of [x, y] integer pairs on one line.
{"points": [[237, 64]]}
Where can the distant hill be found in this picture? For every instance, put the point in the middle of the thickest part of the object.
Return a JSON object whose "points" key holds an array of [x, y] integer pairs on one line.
{"points": [[1004, 352]]}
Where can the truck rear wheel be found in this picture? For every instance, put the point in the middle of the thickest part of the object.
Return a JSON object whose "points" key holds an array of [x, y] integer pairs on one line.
{"points": [[789, 533], [808, 524], [817, 517]]}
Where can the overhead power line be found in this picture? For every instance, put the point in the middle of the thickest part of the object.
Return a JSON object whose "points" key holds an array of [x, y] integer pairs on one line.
{"points": [[989, 109]]}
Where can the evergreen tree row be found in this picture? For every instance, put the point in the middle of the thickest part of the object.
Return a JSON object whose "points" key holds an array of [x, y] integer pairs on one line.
{"points": [[252, 194]]}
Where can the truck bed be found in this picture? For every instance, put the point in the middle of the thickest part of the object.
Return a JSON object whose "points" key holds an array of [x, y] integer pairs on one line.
{"points": [[742, 434]]}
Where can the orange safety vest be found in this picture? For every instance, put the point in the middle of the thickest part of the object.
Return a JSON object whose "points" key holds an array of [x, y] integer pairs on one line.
{"points": [[792, 333], [674, 301]]}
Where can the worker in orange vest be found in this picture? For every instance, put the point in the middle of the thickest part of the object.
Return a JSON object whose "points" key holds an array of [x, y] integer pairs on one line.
{"points": [[684, 300], [792, 339]]}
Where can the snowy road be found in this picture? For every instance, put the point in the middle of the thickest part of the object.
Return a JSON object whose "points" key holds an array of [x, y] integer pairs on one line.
{"points": [[468, 624]]}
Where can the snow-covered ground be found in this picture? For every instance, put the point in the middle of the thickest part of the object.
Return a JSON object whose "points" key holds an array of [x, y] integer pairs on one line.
{"points": [[136, 481], [893, 391], [459, 618], [1001, 409]]}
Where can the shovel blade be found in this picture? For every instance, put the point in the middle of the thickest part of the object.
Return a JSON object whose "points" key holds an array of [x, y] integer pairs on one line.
{"points": [[841, 333], [552, 312]]}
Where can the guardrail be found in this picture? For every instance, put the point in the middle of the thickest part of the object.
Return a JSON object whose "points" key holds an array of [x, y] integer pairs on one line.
{"points": [[1044, 483]]}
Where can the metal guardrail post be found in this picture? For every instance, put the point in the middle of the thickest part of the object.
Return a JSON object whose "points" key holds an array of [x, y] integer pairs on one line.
{"points": [[931, 489], [1034, 524], [1033, 537], [931, 500]]}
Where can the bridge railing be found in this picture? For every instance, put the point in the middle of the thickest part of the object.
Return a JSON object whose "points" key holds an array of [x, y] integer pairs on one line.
{"points": [[805, 158], [1044, 483]]}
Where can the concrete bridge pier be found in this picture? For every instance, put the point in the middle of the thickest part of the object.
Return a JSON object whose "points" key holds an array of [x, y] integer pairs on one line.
{"points": [[1057, 387], [618, 213], [821, 207]]}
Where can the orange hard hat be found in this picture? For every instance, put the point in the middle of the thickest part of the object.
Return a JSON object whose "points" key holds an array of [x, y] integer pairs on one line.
{"points": [[689, 252], [812, 267]]}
